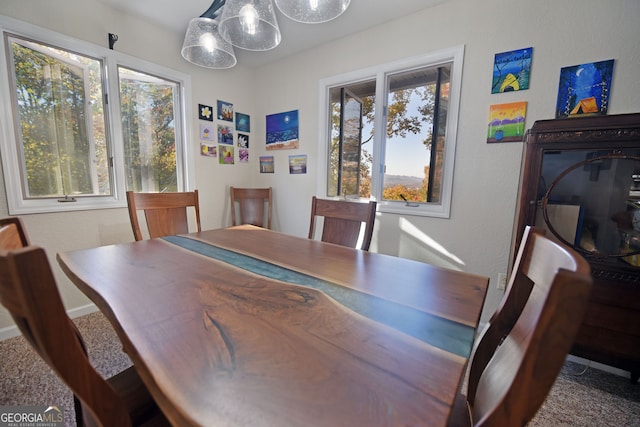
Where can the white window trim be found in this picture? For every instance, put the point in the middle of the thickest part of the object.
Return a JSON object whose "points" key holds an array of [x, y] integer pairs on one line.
{"points": [[456, 56], [10, 155]]}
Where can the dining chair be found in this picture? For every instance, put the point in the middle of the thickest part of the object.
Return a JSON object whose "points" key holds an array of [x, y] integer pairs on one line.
{"points": [[343, 220], [28, 290], [253, 203], [13, 234], [521, 350], [165, 213]]}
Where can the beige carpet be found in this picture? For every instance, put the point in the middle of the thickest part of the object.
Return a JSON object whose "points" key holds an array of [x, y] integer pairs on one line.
{"points": [[590, 398]]}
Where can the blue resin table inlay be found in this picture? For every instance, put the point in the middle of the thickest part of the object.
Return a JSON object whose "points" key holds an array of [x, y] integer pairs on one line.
{"points": [[442, 333]]}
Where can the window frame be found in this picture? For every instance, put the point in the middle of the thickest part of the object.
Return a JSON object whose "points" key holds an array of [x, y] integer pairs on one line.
{"points": [[11, 155], [453, 55]]}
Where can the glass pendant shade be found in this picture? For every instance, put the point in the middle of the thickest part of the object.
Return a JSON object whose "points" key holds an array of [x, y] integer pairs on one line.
{"points": [[312, 11], [203, 45], [250, 24]]}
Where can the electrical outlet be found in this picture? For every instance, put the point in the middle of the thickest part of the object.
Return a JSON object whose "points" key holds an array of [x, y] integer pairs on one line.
{"points": [[502, 281]]}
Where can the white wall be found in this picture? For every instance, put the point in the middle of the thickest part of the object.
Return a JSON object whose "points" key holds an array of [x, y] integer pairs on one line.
{"points": [[561, 32]]}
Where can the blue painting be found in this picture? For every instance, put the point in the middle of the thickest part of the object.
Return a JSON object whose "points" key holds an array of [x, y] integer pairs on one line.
{"points": [[584, 89], [243, 122], [282, 131], [511, 70]]}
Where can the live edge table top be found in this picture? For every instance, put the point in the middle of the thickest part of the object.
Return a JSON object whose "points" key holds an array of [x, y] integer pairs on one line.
{"points": [[244, 326]]}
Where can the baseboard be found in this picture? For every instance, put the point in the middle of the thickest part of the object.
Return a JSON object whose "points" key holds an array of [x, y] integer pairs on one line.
{"points": [[596, 365], [13, 331], [580, 360]]}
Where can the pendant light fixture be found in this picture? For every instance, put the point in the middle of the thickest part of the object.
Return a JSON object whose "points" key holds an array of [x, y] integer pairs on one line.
{"points": [[250, 24], [312, 11], [203, 44]]}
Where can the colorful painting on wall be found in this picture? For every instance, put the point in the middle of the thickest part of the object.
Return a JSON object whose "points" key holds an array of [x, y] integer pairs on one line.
{"points": [[266, 164], [243, 140], [208, 150], [511, 70], [243, 155], [206, 131], [226, 155], [225, 135], [205, 112], [506, 122], [282, 131], [243, 122], [225, 111], [298, 164], [584, 89]]}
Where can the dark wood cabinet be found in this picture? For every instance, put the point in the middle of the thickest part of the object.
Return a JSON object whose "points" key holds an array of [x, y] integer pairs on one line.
{"points": [[581, 181]]}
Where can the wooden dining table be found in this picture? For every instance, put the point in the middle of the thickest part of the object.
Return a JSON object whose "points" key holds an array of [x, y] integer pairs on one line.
{"points": [[244, 326]]}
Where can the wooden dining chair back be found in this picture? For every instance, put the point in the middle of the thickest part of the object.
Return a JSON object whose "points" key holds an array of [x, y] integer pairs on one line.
{"points": [[165, 213], [254, 206], [519, 354], [343, 221], [28, 290], [13, 235]]}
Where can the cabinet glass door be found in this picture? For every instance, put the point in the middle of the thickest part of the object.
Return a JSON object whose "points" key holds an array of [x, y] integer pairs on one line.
{"points": [[591, 200]]}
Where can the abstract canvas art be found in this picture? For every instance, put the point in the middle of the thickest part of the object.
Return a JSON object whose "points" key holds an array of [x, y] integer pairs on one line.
{"points": [[243, 122]]}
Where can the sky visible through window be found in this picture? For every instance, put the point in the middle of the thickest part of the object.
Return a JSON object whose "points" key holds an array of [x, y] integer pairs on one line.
{"points": [[406, 156]]}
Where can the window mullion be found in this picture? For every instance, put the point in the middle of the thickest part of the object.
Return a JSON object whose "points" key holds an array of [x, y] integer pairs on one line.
{"points": [[114, 132], [379, 136]]}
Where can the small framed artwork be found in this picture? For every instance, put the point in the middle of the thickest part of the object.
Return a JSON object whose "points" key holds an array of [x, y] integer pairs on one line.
{"points": [[208, 150], [298, 164], [282, 131], [226, 156], [243, 155], [205, 112], [225, 111], [206, 132], [511, 70], [506, 122], [225, 135], [243, 122], [243, 140], [584, 89], [266, 164]]}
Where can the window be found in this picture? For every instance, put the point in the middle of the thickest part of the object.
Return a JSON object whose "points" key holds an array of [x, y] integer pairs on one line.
{"points": [[65, 144], [60, 117], [147, 109], [391, 132]]}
